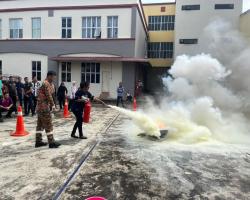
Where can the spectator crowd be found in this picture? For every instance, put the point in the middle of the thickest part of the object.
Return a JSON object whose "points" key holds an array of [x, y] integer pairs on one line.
{"points": [[15, 92]]}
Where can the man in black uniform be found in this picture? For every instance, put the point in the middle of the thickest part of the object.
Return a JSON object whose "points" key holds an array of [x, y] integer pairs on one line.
{"points": [[13, 92], [28, 101], [81, 97]]}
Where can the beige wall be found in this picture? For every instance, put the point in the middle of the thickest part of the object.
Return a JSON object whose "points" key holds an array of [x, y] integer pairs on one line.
{"points": [[20, 64], [245, 24], [160, 36]]}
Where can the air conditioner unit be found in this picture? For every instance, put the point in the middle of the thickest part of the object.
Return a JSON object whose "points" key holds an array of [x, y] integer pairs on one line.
{"points": [[98, 33]]}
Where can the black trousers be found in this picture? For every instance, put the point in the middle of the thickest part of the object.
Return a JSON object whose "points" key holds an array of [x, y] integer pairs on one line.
{"points": [[78, 124], [34, 103], [14, 99], [20, 99], [9, 112], [119, 99], [61, 101], [28, 105]]}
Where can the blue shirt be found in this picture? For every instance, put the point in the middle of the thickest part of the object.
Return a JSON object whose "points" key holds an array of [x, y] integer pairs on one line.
{"points": [[19, 87], [120, 91]]}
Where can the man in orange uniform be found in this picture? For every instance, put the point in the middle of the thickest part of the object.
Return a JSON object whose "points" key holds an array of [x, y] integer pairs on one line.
{"points": [[45, 104]]}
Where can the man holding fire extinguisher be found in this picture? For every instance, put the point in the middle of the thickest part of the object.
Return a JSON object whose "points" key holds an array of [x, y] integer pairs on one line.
{"points": [[82, 97]]}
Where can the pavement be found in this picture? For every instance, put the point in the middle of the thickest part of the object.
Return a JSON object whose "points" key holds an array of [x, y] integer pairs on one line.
{"points": [[121, 167]]}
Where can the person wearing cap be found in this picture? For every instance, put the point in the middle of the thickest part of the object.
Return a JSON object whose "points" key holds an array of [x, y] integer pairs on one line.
{"points": [[46, 104]]}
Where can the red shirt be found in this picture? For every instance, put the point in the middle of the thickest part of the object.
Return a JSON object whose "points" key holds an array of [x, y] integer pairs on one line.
{"points": [[6, 102]]}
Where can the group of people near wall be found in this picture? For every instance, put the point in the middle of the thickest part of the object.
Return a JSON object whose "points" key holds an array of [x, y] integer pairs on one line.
{"points": [[14, 91]]}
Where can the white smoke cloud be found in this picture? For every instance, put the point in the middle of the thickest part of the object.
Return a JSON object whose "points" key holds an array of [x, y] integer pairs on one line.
{"points": [[209, 94], [212, 90]]}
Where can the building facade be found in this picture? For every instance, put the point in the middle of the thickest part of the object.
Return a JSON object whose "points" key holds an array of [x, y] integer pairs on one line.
{"points": [[245, 25], [95, 41], [193, 16], [105, 42], [160, 18]]}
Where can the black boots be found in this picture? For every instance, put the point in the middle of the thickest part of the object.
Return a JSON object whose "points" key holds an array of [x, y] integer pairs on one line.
{"points": [[83, 137], [80, 137], [54, 145], [73, 135], [40, 144]]}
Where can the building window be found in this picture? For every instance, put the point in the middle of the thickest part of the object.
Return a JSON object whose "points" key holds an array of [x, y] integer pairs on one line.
{"points": [[191, 7], [161, 23], [91, 27], [1, 70], [188, 41], [36, 27], [50, 13], [112, 26], [160, 49], [163, 9], [0, 29], [223, 6], [90, 72], [37, 70], [66, 71], [66, 27], [16, 28]]}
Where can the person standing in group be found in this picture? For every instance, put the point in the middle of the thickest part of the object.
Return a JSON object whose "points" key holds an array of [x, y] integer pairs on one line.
{"points": [[53, 93], [20, 90], [120, 94], [1, 86], [82, 96], [45, 104], [28, 99], [35, 87], [5, 88], [6, 105], [13, 92], [62, 95]]}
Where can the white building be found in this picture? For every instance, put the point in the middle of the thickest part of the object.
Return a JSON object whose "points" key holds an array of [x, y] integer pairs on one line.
{"points": [[103, 42], [193, 16], [245, 25]]}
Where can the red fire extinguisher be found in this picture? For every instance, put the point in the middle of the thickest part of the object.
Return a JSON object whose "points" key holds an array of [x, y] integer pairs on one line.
{"points": [[86, 114]]}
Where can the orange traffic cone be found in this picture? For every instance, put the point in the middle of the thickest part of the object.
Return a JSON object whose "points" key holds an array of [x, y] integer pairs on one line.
{"points": [[66, 113], [20, 130], [134, 104]]}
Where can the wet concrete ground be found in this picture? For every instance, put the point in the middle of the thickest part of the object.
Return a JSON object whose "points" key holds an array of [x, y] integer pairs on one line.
{"points": [[127, 168], [122, 166], [27, 173]]}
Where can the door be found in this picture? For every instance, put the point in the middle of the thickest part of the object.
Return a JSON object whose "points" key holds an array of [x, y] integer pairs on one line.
{"points": [[105, 81]]}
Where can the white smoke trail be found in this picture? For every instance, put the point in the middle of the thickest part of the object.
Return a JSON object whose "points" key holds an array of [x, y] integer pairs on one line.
{"points": [[143, 121]]}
